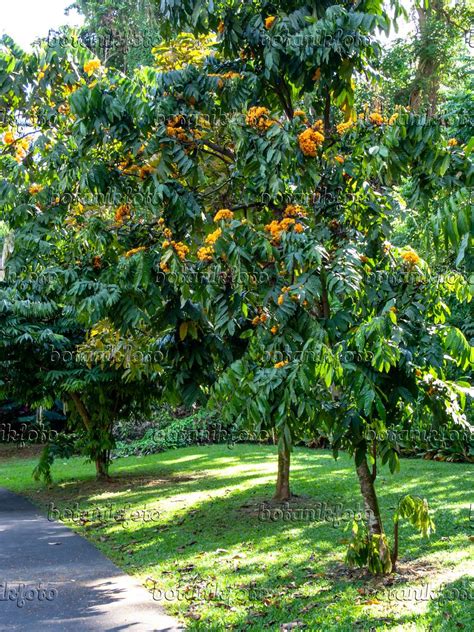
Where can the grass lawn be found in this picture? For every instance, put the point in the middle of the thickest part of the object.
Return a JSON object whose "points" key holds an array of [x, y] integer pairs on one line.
{"points": [[212, 561]]}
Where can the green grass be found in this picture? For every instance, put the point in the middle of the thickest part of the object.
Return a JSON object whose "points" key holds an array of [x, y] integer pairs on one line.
{"points": [[209, 534]]}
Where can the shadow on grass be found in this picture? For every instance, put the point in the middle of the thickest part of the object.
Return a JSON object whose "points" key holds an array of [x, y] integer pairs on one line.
{"points": [[210, 531]]}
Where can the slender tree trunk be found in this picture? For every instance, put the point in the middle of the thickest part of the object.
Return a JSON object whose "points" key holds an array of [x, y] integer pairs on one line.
{"points": [[374, 519], [367, 487], [395, 546], [282, 491], [102, 459], [426, 85]]}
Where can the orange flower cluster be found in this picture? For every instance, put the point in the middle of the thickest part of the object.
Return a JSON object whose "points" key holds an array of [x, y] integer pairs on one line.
{"points": [[230, 75], [258, 117], [223, 214], [339, 159], [8, 138], [343, 127], [294, 210], [122, 213], [281, 298], [301, 113], [376, 118], [134, 251], [310, 140], [91, 66], [181, 249], [97, 262], [35, 188], [280, 365], [276, 228], [270, 21], [220, 27], [274, 330], [453, 142], [259, 320], [410, 257], [129, 169], [175, 129], [64, 109], [22, 145]]}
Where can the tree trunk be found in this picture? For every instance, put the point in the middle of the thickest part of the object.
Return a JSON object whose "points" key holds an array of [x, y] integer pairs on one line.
{"points": [[374, 519], [367, 487], [425, 89], [282, 491], [102, 466], [395, 546]]}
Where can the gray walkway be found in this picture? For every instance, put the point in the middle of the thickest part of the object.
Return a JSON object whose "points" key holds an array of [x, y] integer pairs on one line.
{"points": [[83, 590]]}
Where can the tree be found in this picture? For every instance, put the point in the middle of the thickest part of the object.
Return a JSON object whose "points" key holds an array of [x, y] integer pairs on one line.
{"points": [[122, 33], [239, 213]]}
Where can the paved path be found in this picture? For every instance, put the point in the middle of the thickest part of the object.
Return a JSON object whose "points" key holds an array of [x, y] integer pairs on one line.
{"points": [[84, 590]]}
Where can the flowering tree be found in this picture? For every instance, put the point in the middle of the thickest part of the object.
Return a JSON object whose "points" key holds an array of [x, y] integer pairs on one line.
{"points": [[236, 215]]}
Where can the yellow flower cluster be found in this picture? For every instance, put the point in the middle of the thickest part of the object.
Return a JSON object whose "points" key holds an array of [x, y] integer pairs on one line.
{"points": [[122, 212], [301, 113], [223, 214], [258, 117], [453, 142], [280, 365], [68, 90], [376, 118], [35, 188], [410, 257], [181, 249], [22, 146], [270, 21], [339, 159], [134, 251], [393, 118], [274, 330], [343, 127], [91, 66], [294, 210], [310, 140], [8, 138], [220, 27], [205, 253], [213, 237]]}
